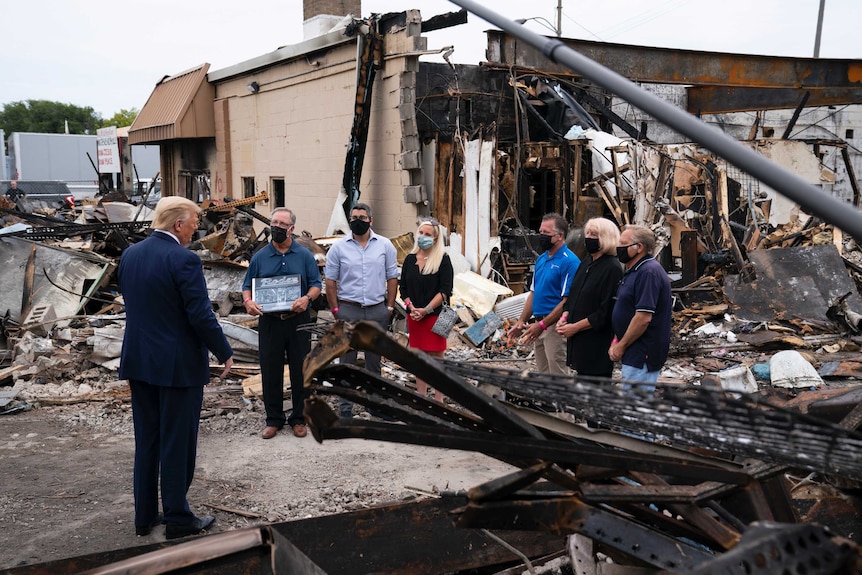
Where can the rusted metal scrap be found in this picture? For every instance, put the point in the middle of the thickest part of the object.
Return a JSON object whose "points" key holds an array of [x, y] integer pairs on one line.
{"points": [[645, 499], [396, 539]]}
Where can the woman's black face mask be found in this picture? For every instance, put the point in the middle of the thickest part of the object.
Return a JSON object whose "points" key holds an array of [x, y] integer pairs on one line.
{"points": [[592, 245]]}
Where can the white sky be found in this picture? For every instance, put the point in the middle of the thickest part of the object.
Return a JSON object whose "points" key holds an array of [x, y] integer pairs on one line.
{"points": [[109, 55]]}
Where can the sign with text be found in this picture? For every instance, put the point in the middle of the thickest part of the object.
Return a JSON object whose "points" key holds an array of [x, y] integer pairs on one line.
{"points": [[276, 294], [108, 150]]}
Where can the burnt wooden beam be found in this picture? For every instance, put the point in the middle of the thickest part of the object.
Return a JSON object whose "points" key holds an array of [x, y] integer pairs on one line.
{"points": [[447, 20]]}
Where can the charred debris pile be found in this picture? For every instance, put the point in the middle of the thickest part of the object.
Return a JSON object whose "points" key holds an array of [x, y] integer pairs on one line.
{"points": [[749, 450]]}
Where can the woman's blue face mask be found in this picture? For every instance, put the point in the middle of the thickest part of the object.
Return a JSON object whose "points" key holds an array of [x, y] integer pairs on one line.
{"points": [[424, 242]]}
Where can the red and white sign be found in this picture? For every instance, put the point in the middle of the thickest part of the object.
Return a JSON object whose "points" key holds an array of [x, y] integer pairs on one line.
{"points": [[108, 150]]}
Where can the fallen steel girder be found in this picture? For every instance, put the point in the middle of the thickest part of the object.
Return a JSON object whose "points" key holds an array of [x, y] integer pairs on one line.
{"points": [[569, 515], [650, 506], [567, 454], [397, 539], [780, 548], [369, 336], [694, 416]]}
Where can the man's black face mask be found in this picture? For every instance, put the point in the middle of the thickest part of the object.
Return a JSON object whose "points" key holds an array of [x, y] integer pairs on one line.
{"points": [[278, 234], [545, 243], [359, 227]]}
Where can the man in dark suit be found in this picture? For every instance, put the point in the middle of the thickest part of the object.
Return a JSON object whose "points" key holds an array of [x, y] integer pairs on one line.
{"points": [[170, 326]]}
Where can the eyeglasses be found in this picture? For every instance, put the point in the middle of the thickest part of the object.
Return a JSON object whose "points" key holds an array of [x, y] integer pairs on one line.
{"points": [[281, 226], [630, 245], [360, 218], [431, 221]]}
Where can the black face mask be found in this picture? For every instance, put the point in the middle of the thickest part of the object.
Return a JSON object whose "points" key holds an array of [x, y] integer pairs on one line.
{"points": [[278, 234], [623, 254], [545, 243], [592, 245], [358, 227]]}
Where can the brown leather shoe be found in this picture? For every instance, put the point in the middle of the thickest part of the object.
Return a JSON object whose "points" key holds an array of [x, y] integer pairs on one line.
{"points": [[269, 432], [300, 430]]}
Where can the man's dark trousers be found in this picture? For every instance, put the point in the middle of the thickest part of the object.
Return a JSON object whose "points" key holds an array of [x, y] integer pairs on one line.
{"points": [[166, 421], [278, 337]]}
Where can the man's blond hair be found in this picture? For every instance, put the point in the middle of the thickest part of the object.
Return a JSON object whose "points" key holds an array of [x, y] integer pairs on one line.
{"points": [[172, 209]]}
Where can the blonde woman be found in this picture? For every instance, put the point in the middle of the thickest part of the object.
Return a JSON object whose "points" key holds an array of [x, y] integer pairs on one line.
{"points": [[426, 282], [586, 319]]}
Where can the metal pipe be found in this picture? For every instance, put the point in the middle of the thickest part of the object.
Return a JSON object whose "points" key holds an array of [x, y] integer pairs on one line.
{"points": [[812, 199]]}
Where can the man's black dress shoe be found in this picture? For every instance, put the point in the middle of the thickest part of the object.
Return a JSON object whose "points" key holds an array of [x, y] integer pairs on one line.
{"points": [[174, 531], [142, 530]]}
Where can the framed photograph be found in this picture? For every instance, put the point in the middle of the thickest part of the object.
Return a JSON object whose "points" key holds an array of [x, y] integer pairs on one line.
{"points": [[276, 294]]}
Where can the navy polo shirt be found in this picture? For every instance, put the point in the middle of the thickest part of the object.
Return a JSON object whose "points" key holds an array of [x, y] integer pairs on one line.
{"points": [[269, 262], [645, 287]]}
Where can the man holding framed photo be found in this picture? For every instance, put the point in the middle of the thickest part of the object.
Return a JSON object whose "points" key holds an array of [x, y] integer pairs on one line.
{"points": [[285, 277]]}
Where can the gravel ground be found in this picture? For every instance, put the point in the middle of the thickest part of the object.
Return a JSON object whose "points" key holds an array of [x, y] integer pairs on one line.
{"points": [[66, 472]]}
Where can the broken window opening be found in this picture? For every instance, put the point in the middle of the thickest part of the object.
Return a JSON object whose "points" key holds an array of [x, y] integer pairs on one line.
{"points": [[278, 199], [247, 187], [194, 185]]}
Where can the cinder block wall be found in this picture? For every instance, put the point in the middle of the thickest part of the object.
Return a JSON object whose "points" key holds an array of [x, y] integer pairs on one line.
{"points": [[297, 127]]}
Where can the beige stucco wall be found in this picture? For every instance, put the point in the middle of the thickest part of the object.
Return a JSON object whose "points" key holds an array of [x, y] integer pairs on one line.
{"points": [[297, 128]]}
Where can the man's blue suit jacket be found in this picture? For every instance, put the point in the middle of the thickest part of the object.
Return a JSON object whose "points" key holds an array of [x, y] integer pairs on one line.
{"points": [[170, 323]]}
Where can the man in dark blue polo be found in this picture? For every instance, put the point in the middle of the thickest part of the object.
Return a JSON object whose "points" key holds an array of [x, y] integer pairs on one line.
{"points": [[642, 312], [277, 330]]}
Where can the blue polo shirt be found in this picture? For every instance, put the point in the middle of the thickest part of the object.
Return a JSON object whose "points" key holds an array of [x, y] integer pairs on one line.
{"points": [[552, 279], [269, 262], [645, 287]]}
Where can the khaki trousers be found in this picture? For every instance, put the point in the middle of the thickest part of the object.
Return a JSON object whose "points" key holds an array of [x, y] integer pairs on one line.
{"points": [[551, 352]]}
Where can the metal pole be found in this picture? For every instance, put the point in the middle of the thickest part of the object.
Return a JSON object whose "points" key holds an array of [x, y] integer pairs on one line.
{"points": [[811, 198], [560, 18], [819, 28]]}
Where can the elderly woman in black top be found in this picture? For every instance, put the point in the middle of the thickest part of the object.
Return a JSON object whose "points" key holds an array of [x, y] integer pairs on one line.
{"points": [[586, 319], [426, 282]]}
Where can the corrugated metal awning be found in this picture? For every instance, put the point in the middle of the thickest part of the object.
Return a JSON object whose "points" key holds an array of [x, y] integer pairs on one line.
{"points": [[180, 107]]}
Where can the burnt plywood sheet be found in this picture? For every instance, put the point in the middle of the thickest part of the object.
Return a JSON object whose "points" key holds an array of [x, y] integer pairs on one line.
{"points": [[74, 273], [791, 283]]}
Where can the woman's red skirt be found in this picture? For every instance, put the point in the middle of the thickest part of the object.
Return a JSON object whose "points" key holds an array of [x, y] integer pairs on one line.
{"points": [[421, 336]]}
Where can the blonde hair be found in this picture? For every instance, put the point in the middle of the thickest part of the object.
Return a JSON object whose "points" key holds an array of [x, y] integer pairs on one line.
{"points": [[172, 209], [609, 234], [435, 254]]}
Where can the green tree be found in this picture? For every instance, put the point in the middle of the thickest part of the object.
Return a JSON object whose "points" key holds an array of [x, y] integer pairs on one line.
{"points": [[122, 119], [48, 117]]}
